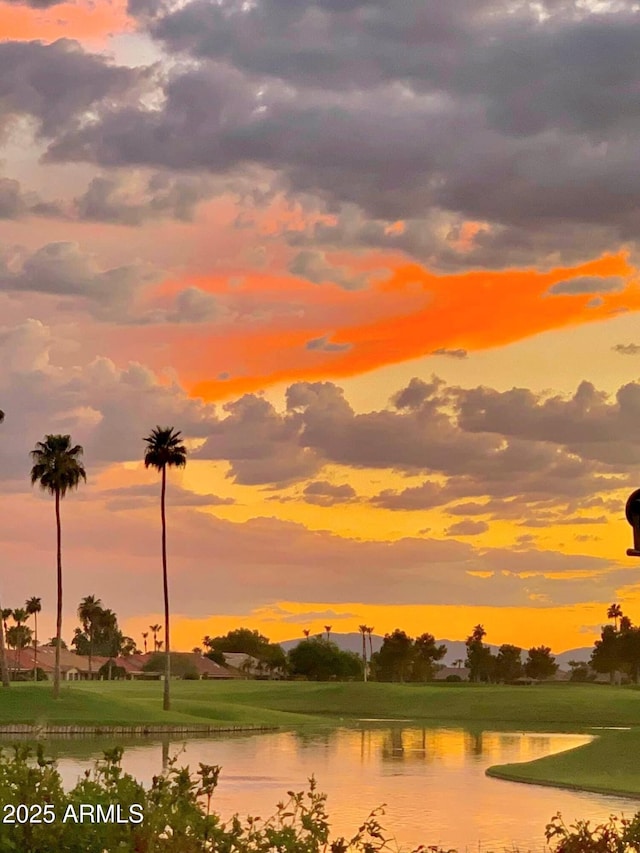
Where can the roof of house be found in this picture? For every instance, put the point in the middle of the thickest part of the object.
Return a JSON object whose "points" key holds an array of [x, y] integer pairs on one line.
{"points": [[24, 660], [446, 671], [203, 666]]}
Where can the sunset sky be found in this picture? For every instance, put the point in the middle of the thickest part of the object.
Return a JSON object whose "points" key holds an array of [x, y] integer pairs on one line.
{"points": [[377, 259]]}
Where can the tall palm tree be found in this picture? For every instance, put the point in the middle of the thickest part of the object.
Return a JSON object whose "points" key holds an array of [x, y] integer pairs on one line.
{"points": [[328, 628], [89, 611], [4, 669], [145, 634], [6, 614], [57, 468], [306, 633], [614, 612], [33, 606], [165, 450], [20, 616], [154, 630], [363, 631], [370, 632]]}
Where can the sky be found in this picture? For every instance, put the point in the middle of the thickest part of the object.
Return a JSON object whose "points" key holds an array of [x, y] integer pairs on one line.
{"points": [[376, 259]]}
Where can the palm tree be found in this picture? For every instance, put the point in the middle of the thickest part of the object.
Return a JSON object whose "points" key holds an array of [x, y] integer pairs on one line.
{"points": [[363, 631], [614, 612], [89, 611], [154, 630], [458, 662], [56, 467], [306, 633], [33, 606], [145, 634], [370, 632], [4, 669], [20, 616], [165, 450], [328, 628], [6, 614]]}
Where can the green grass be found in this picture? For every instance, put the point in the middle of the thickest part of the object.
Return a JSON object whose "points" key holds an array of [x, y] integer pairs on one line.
{"points": [[293, 703], [610, 764]]}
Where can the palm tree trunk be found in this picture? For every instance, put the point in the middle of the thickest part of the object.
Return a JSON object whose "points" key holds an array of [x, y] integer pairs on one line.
{"points": [[35, 648], [56, 671], [4, 669], [166, 704], [364, 656], [90, 648]]}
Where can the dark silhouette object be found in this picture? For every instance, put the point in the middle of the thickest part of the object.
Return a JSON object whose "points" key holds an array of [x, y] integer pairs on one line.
{"points": [[56, 467], [165, 450], [632, 512]]}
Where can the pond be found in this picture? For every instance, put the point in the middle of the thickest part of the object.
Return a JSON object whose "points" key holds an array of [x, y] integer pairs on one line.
{"points": [[431, 779]]}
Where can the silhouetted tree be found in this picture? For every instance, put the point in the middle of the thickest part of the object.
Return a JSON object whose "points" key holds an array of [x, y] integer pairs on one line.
{"points": [[89, 613], [426, 654], [540, 663], [605, 656], [614, 612], [508, 663], [480, 661], [322, 660], [165, 450], [57, 469], [33, 606], [394, 661], [363, 631]]}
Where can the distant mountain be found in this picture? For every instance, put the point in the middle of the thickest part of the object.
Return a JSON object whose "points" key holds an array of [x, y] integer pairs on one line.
{"points": [[456, 649], [347, 642]]}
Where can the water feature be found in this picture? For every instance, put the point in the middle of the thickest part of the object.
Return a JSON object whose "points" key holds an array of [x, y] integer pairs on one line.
{"points": [[432, 779]]}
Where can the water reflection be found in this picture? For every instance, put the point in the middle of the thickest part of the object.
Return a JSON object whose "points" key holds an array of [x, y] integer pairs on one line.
{"points": [[432, 779]]}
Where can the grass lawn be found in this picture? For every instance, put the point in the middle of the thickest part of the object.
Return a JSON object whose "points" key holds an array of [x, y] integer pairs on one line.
{"points": [[610, 764], [573, 707]]}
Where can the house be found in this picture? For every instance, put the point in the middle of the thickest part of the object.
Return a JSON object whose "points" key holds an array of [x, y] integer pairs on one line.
{"points": [[246, 664], [73, 667], [452, 673]]}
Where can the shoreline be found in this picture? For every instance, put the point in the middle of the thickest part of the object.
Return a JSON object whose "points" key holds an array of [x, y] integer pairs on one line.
{"points": [[149, 730], [496, 773]]}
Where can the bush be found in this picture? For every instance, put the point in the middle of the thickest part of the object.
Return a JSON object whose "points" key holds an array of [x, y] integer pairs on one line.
{"points": [[176, 816]]}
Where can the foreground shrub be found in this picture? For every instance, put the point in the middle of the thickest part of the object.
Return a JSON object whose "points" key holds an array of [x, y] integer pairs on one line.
{"points": [[174, 815]]}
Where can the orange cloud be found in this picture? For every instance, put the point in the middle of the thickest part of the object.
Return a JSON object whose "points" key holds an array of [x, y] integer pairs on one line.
{"points": [[405, 317], [87, 20]]}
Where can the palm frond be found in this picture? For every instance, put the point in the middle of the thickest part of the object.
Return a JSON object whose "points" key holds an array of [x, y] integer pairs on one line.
{"points": [[56, 465], [165, 449]]}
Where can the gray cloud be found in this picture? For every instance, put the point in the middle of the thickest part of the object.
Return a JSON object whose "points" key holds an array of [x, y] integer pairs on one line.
{"points": [[451, 353], [517, 117], [589, 423], [468, 528], [57, 83], [326, 345], [627, 349], [128, 198], [62, 269], [323, 493], [35, 4], [312, 265], [587, 284]]}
